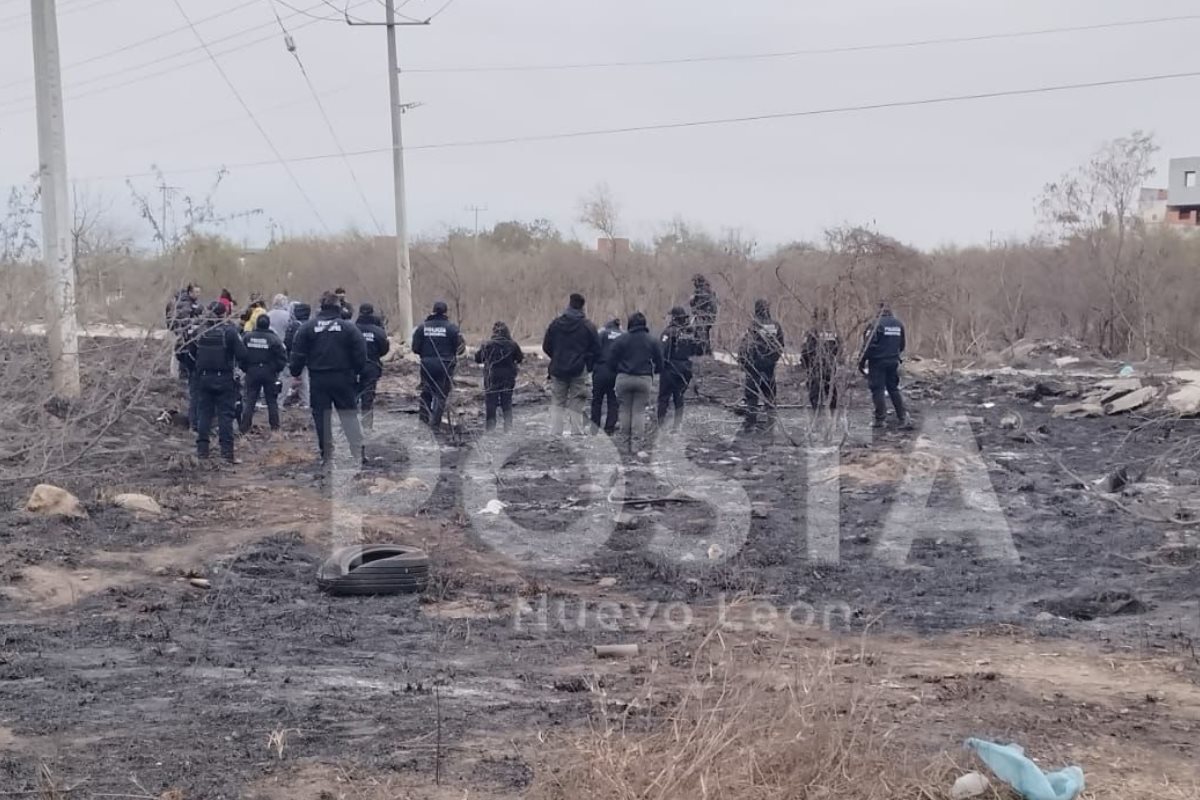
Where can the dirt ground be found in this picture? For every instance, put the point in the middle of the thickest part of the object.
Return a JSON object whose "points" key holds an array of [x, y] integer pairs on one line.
{"points": [[123, 679]]}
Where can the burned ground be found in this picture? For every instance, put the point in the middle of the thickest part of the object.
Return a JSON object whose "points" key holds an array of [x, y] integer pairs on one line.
{"points": [[122, 677]]}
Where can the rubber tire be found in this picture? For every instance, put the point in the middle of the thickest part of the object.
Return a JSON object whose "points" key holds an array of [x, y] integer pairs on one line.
{"points": [[388, 569]]}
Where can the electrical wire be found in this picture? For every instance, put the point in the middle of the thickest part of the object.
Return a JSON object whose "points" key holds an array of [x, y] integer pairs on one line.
{"points": [[139, 43], [930, 101], [18, 20], [294, 50], [27, 100], [246, 107], [818, 51]]}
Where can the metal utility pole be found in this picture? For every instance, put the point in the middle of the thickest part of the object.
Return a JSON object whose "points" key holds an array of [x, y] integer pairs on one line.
{"points": [[62, 331], [403, 265]]}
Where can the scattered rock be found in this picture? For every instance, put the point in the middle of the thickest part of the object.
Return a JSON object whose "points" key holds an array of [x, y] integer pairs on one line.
{"points": [[1087, 607], [1186, 401], [1084, 409], [1065, 361], [973, 784], [1118, 388], [591, 488], [386, 485], [607, 583], [200, 583], [494, 507], [1044, 616], [51, 501], [626, 521], [1010, 421], [137, 502], [1114, 481], [1131, 401], [760, 510], [715, 552]]}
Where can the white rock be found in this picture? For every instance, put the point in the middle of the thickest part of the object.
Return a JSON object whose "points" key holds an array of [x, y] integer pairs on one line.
{"points": [[607, 583], [973, 784], [137, 502], [1186, 401], [1132, 401], [493, 507], [1065, 361], [52, 501]]}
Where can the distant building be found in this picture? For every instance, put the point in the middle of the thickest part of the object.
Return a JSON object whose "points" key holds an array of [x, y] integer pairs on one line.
{"points": [[608, 247], [1179, 204]]}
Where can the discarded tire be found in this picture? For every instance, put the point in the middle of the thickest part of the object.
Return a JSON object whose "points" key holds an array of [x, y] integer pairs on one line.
{"points": [[375, 569]]}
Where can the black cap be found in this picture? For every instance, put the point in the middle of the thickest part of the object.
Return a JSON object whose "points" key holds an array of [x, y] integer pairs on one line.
{"points": [[440, 307], [366, 309]]}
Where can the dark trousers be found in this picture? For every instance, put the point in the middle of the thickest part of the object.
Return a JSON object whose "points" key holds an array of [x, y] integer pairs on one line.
{"points": [[261, 380], [760, 386], [498, 397], [330, 391], [821, 391], [436, 383], [703, 330], [215, 395], [366, 393], [672, 386], [884, 377], [604, 390]]}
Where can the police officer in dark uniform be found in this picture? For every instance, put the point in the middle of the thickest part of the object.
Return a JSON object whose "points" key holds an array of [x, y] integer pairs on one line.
{"points": [[704, 313], [880, 362], [335, 353], [219, 348], [438, 343], [265, 359], [377, 347], [819, 357], [678, 346], [760, 351], [604, 380]]}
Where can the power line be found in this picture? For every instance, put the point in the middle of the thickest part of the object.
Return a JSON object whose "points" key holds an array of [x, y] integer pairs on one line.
{"points": [[930, 101], [159, 72], [225, 77], [139, 43], [818, 51], [18, 20], [291, 45]]}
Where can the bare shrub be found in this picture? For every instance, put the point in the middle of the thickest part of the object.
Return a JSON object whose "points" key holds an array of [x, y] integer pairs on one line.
{"points": [[803, 734]]}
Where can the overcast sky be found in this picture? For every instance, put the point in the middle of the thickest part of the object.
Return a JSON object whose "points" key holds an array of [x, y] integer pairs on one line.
{"points": [[929, 175]]}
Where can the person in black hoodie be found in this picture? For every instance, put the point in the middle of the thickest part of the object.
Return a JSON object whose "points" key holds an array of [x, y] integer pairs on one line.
{"points": [[679, 345], [298, 391], [573, 344], [819, 357], [880, 361], [335, 354], [501, 357], [635, 358], [219, 348], [604, 380], [377, 347], [265, 358], [704, 314], [438, 343], [760, 351]]}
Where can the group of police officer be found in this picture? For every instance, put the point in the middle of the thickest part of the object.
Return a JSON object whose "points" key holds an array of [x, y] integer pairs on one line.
{"points": [[341, 359], [343, 364]]}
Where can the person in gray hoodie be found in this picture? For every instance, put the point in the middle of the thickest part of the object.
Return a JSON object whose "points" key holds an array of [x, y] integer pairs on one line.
{"points": [[280, 316]]}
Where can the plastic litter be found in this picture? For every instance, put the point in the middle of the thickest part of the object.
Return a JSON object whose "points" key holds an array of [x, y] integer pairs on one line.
{"points": [[1009, 764], [973, 784], [1126, 371]]}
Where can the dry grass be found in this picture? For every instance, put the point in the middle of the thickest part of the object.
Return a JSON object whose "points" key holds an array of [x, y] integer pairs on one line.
{"points": [[801, 733]]}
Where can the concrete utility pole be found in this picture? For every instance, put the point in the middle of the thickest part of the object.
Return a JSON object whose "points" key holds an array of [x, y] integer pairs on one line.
{"points": [[476, 210], [62, 332], [403, 265]]}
